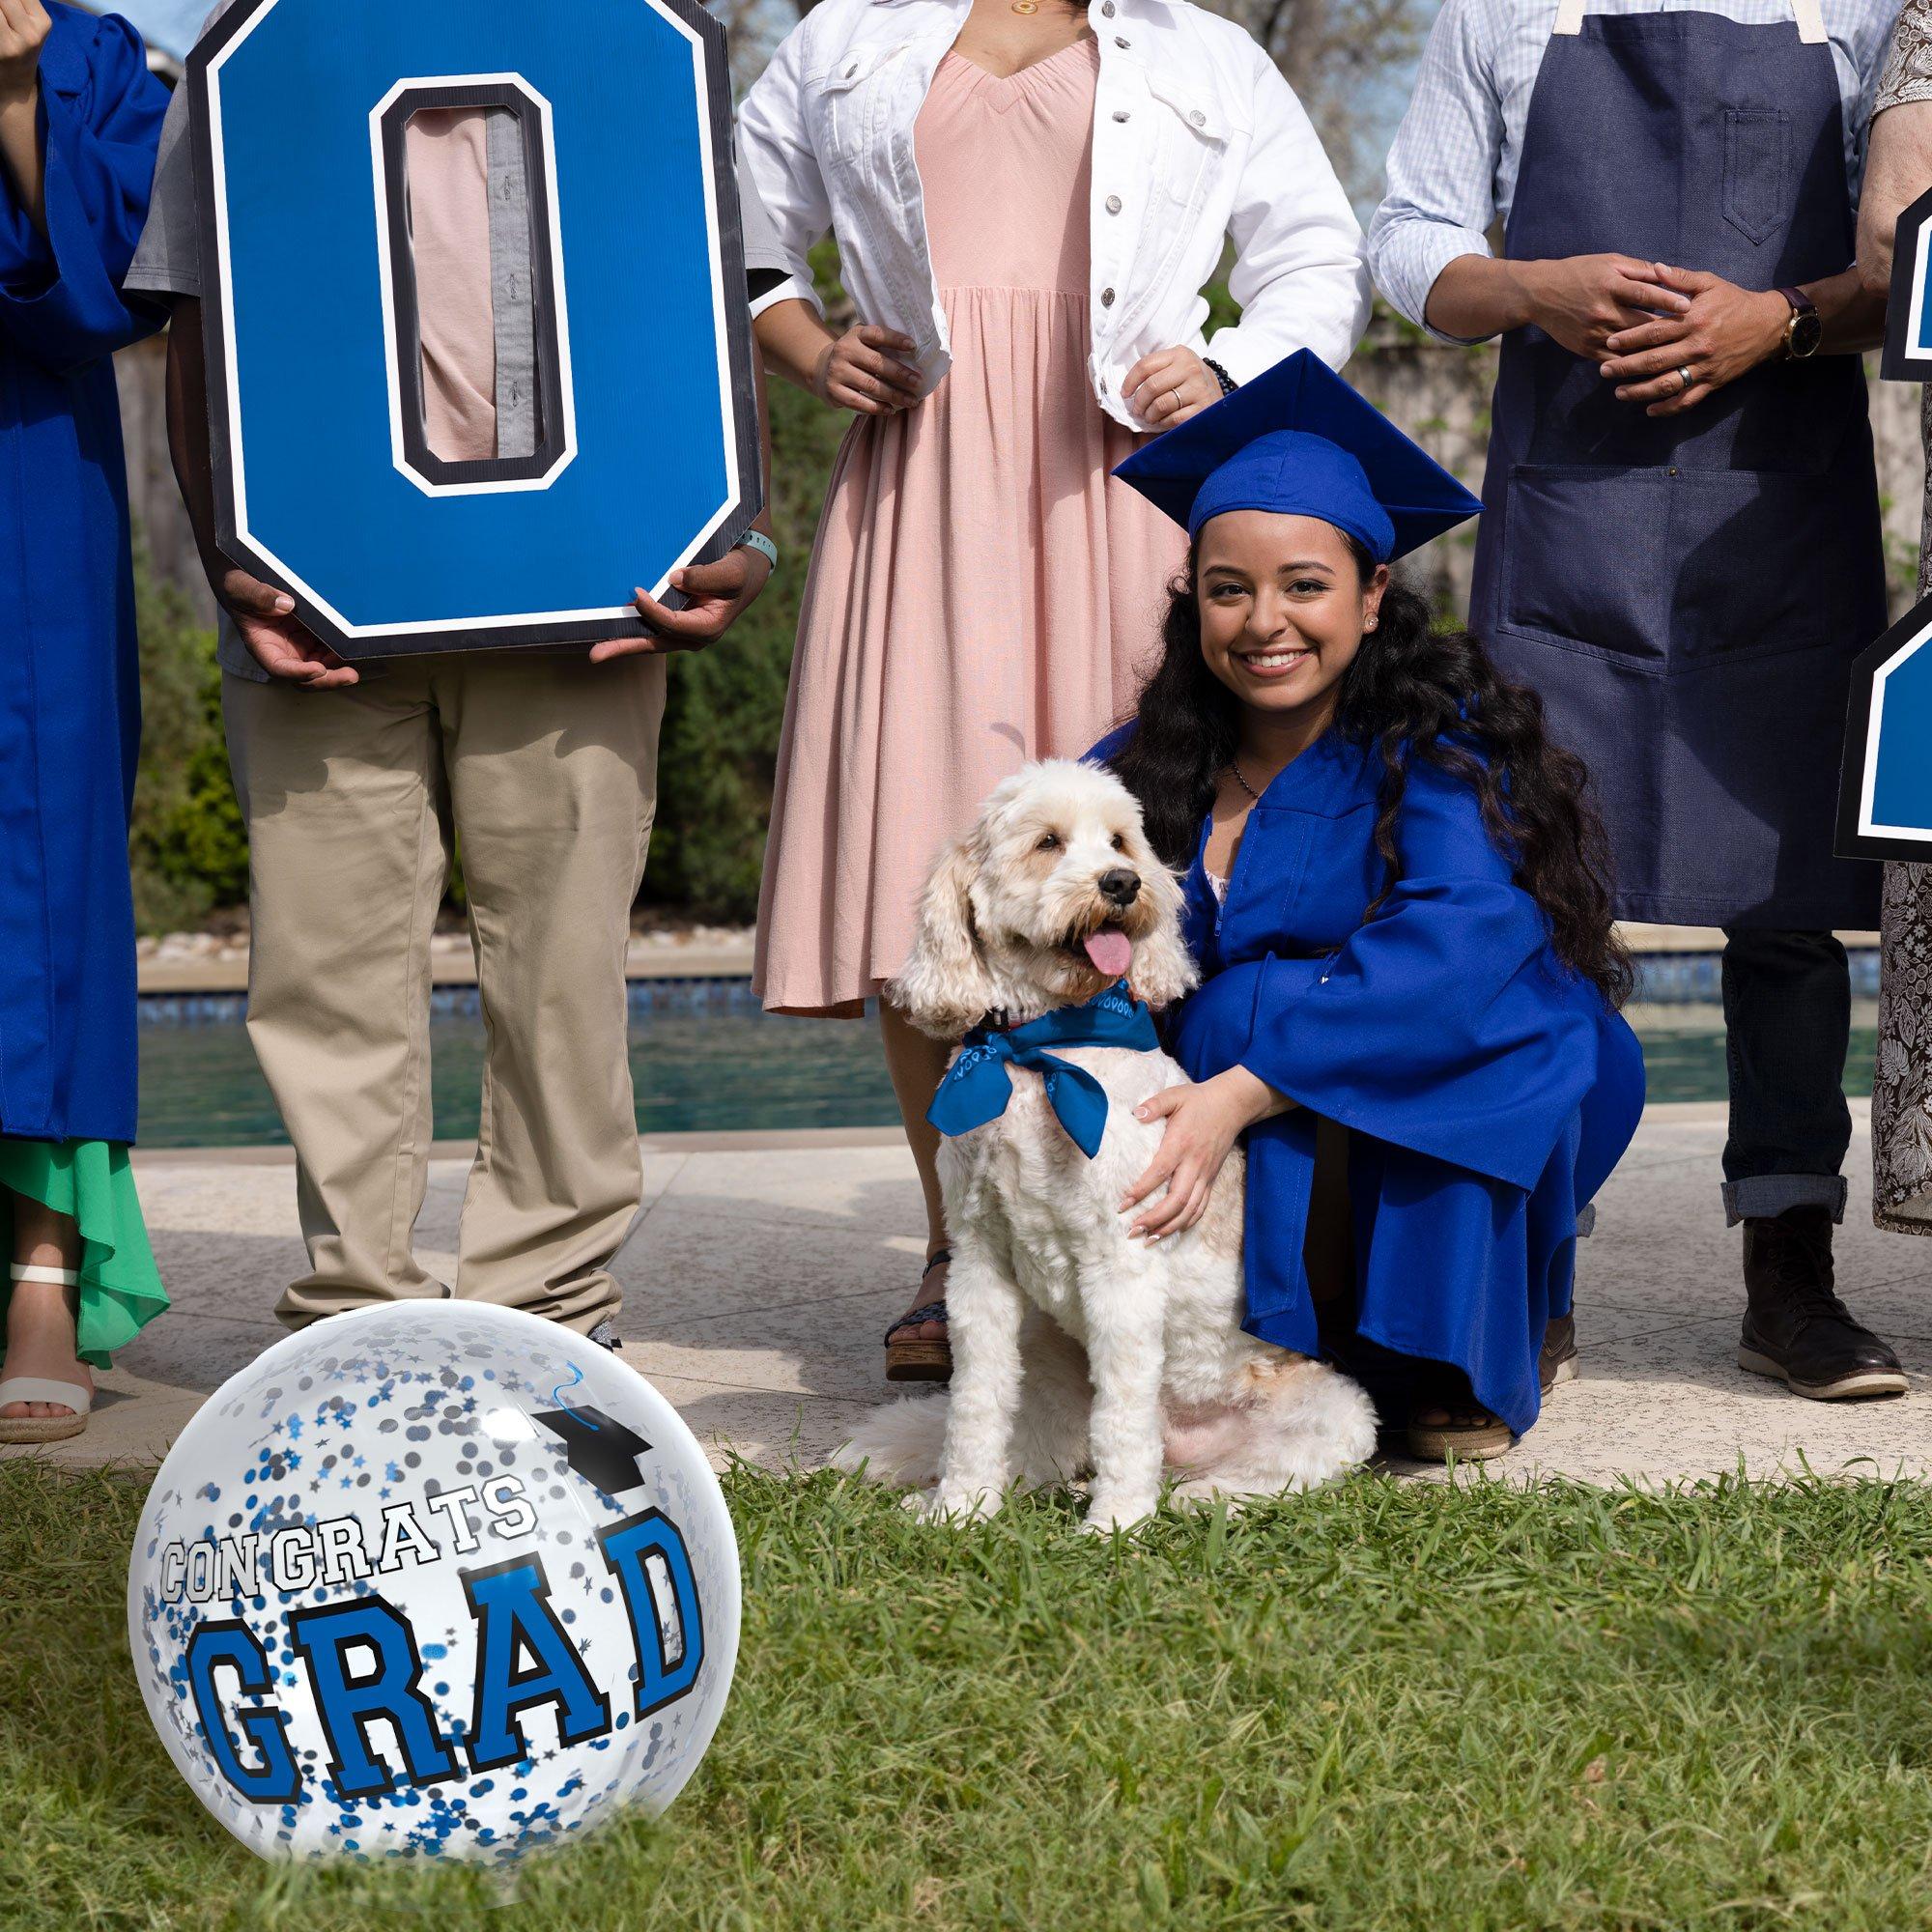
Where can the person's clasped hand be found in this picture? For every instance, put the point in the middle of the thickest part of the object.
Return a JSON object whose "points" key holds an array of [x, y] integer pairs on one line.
{"points": [[1721, 331], [1204, 1121], [1167, 386], [1581, 301], [863, 371]]}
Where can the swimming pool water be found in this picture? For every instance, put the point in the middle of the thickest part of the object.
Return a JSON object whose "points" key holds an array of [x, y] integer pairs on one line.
{"points": [[715, 1061], [200, 1086]]}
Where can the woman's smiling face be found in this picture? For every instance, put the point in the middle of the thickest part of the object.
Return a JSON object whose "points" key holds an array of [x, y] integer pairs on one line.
{"points": [[1283, 608]]}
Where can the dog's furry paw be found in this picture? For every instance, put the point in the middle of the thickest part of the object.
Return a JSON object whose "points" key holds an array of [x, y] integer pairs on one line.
{"points": [[1104, 1516], [934, 1506]]}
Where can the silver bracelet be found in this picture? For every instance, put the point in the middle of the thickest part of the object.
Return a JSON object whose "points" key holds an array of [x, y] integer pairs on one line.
{"points": [[759, 541]]}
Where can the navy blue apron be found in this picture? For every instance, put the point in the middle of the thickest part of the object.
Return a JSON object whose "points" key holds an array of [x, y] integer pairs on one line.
{"points": [[1688, 593]]}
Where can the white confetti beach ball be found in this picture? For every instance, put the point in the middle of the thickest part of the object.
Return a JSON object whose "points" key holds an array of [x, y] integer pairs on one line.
{"points": [[434, 1580]]}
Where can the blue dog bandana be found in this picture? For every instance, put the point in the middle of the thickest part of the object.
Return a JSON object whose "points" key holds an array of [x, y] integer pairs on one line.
{"points": [[980, 1082]]}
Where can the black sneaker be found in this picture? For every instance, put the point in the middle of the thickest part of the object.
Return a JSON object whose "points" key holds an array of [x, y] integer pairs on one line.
{"points": [[1796, 1328]]}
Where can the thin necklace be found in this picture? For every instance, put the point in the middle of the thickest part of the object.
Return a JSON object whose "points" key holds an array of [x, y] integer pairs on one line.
{"points": [[1240, 778]]}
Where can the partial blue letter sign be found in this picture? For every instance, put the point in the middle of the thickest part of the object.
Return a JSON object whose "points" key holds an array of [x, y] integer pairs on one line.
{"points": [[1908, 316], [1886, 808], [632, 447]]}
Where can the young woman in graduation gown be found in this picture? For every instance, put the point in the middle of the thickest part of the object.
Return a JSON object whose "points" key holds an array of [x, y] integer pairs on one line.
{"points": [[1395, 892], [81, 118]]}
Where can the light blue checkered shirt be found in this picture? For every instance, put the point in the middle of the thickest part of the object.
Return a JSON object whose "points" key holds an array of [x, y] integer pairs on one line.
{"points": [[1452, 171]]}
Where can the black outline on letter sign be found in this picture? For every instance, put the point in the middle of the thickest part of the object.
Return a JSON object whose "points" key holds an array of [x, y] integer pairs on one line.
{"points": [[406, 324]]}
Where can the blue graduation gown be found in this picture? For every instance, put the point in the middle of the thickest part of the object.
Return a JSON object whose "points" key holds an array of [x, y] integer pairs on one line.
{"points": [[69, 708], [1488, 1090]]}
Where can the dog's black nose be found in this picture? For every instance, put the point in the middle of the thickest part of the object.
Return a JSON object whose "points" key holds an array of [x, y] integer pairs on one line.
{"points": [[1120, 887]]}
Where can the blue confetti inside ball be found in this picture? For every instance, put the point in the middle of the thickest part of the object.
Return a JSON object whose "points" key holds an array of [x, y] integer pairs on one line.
{"points": [[434, 1580]]}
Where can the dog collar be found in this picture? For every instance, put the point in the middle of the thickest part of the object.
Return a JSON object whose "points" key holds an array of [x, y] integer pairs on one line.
{"points": [[980, 1083]]}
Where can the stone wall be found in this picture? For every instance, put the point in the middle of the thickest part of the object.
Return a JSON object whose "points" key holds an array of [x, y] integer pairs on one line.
{"points": [[1441, 396]]}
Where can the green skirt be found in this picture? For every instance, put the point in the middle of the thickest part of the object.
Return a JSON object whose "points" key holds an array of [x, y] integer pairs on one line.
{"points": [[91, 1183]]}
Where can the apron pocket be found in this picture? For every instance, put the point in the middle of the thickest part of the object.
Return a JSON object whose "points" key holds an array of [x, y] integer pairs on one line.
{"points": [[1584, 565], [1755, 140], [1767, 562]]}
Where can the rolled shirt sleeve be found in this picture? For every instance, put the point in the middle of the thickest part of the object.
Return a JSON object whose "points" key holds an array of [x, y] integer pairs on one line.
{"points": [[1908, 66], [768, 268], [779, 170], [168, 259], [1441, 194], [1299, 274]]}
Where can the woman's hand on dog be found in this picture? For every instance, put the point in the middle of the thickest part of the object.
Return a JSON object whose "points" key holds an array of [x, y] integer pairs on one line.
{"points": [[1203, 1124]]}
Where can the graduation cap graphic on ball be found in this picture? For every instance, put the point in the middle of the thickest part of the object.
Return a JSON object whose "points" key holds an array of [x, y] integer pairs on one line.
{"points": [[1299, 441]]}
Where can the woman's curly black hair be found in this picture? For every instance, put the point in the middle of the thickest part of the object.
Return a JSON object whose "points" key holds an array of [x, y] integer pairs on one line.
{"points": [[1412, 691]]}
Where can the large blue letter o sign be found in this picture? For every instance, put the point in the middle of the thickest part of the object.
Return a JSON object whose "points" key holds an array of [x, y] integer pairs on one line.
{"points": [[629, 443]]}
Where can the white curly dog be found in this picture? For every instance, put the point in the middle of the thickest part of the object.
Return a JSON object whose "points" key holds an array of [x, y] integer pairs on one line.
{"points": [[1076, 1350]]}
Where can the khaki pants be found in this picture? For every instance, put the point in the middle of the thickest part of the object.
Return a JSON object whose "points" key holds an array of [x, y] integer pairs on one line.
{"points": [[545, 770]]}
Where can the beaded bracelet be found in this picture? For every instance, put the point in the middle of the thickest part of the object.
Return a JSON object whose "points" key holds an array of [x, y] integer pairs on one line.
{"points": [[1220, 375]]}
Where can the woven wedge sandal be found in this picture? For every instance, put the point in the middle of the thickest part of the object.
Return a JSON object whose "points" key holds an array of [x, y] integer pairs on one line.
{"points": [[917, 1358], [75, 1396]]}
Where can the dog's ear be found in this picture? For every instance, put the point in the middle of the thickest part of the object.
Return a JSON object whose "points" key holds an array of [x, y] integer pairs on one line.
{"points": [[945, 986], [1163, 967]]}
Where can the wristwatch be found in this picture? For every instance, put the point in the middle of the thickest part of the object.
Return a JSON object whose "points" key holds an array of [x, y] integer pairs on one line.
{"points": [[1803, 332]]}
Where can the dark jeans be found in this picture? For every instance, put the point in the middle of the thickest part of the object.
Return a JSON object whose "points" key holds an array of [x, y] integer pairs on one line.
{"points": [[1787, 1023]]}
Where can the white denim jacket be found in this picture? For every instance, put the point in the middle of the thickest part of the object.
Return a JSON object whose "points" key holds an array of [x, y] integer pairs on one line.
{"points": [[1196, 138]]}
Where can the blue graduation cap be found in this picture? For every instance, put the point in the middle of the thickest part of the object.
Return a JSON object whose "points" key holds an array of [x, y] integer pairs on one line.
{"points": [[1299, 440]]}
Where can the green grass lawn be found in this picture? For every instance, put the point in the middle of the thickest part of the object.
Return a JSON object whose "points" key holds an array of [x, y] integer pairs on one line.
{"points": [[1394, 1705]]}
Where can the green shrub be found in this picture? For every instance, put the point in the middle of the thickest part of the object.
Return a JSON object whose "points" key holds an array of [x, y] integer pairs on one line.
{"points": [[725, 706], [186, 844]]}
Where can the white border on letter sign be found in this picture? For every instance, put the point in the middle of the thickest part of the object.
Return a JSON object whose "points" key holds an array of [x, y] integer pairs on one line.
{"points": [[555, 245]]}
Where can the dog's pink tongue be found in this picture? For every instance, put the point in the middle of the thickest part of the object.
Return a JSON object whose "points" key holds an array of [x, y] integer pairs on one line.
{"points": [[1112, 952]]}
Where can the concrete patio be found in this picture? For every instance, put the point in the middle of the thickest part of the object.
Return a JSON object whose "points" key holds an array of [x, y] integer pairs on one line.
{"points": [[764, 1271]]}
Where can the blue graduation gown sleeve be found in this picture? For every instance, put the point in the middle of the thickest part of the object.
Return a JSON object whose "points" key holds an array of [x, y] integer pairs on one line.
{"points": [[1444, 1024], [100, 113], [70, 699], [1487, 1089]]}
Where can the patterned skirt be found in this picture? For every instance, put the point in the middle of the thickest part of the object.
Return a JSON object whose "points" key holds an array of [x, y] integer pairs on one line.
{"points": [[1902, 1080]]}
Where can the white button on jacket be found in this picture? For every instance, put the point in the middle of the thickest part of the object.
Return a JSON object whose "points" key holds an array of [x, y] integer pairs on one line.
{"points": [[1196, 138]]}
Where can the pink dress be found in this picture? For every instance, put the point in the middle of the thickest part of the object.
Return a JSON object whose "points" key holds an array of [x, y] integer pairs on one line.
{"points": [[983, 592]]}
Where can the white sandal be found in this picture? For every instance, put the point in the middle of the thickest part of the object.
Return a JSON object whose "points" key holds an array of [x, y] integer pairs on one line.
{"points": [[40, 1388]]}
